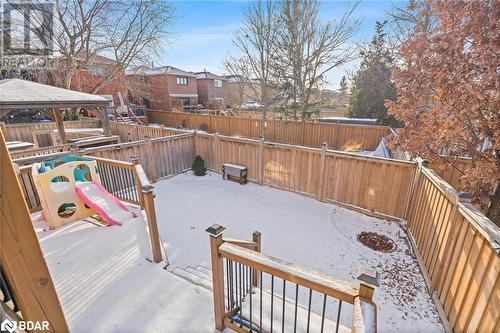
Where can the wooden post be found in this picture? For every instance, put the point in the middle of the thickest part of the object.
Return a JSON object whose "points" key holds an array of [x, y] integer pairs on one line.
{"points": [[104, 121], [256, 238], [152, 160], [319, 195], [20, 254], [3, 128], [58, 117], [261, 161], [149, 206], [215, 148], [217, 275], [370, 279], [135, 160]]}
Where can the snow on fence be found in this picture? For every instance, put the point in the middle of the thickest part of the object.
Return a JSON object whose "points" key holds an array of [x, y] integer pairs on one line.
{"points": [[345, 137], [23, 132], [458, 250]]}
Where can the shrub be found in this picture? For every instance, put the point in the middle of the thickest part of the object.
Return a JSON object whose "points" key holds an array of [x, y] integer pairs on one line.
{"points": [[198, 166]]}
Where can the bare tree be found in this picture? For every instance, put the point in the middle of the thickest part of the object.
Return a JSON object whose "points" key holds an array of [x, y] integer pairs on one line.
{"points": [[128, 33], [239, 82], [308, 48], [256, 40]]}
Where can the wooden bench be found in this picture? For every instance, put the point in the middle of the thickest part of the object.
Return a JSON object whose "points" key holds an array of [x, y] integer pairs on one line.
{"points": [[234, 170]]}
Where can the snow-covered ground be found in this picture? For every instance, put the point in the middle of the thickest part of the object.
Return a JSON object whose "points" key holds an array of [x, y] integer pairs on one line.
{"points": [[298, 229], [105, 284]]}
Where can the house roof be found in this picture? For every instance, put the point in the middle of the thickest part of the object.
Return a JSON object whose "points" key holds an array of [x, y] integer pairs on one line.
{"points": [[208, 75], [95, 58], [17, 94], [168, 70]]}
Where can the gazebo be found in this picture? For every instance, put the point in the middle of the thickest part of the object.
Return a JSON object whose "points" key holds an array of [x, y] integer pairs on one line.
{"points": [[17, 94]]}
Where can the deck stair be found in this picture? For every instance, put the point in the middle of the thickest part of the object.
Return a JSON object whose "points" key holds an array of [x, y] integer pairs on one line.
{"points": [[198, 275]]}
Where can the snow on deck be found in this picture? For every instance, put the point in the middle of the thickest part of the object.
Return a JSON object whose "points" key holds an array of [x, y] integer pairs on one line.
{"points": [[105, 284], [298, 229]]}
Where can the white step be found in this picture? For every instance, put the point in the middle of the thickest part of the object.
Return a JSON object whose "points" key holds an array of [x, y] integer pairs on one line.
{"points": [[201, 274], [207, 271], [192, 278]]}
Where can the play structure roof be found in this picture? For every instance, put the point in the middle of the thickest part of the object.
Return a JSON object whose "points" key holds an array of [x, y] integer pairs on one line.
{"points": [[17, 94]]}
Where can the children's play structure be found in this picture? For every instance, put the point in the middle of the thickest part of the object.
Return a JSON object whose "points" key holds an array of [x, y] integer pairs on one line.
{"points": [[70, 189]]}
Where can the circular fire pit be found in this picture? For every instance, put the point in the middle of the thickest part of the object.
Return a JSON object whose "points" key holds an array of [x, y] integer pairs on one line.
{"points": [[376, 241]]}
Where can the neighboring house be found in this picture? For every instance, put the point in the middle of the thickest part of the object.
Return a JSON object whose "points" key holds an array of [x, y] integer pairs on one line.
{"points": [[212, 90], [242, 91], [171, 89], [86, 79]]}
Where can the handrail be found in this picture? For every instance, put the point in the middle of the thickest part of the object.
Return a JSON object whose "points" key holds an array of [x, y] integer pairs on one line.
{"points": [[307, 277], [237, 269], [130, 111]]}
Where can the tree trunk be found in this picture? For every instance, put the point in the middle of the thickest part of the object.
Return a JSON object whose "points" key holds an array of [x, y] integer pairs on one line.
{"points": [[494, 210]]}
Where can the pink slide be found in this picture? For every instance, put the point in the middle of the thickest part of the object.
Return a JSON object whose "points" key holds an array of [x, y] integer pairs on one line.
{"points": [[112, 210]]}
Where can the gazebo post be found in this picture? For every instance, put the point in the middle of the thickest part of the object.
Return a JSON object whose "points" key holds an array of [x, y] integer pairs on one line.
{"points": [[104, 120], [58, 117]]}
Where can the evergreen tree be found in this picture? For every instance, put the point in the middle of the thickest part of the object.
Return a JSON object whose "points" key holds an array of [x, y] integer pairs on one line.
{"points": [[198, 166], [343, 89], [372, 82]]}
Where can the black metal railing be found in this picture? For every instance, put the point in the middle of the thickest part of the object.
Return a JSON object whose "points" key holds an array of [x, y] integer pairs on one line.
{"points": [[246, 303]]}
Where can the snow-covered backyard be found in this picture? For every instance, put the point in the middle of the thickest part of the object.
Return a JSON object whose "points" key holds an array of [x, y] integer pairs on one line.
{"points": [[299, 229], [105, 284]]}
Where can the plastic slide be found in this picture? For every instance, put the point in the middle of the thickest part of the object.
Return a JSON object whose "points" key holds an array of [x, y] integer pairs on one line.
{"points": [[104, 203]]}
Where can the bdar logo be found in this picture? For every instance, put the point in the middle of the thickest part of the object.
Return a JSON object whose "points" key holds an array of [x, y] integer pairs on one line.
{"points": [[8, 326]]}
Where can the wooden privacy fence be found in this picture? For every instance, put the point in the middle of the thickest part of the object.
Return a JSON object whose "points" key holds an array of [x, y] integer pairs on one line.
{"points": [[458, 249], [23, 132], [134, 132], [376, 185], [343, 137], [160, 157]]}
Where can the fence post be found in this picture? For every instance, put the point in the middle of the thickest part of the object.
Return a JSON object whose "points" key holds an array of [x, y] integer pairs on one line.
{"points": [[135, 161], [215, 232], [256, 238], [370, 279], [416, 182], [215, 148], [149, 207], [4, 129], [319, 195], [152, 159], [261, 161]]}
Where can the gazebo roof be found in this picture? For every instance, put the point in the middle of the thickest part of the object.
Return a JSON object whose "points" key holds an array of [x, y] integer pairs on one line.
{"points": [[17, 94]]}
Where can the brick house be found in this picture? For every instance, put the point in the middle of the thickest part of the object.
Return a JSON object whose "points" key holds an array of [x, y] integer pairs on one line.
{"points": [[86, 79], [171, 88], [212, 89]]}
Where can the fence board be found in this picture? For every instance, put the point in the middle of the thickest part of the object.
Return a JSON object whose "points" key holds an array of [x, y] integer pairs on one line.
{"points": [[345, 137], [22, 132], [459, 250]]}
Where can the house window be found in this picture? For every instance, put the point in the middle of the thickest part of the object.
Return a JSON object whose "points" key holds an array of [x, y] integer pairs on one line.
{"points": [[97, 70], [218, 83], [182, 80]]}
